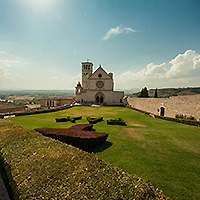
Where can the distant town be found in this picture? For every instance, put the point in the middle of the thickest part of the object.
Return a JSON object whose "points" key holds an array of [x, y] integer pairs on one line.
{"points": [[32, 97]]}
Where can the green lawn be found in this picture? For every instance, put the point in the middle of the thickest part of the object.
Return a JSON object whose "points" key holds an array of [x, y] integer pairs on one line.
{"points": [[163, 152]]}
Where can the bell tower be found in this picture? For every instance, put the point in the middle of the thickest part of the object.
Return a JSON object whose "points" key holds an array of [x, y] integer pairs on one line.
{"points": [[86, 72]]}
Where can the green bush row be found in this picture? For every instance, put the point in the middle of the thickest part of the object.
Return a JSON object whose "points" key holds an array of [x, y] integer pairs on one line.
{"points": [[94, 120], [39, 167], [118, 121], [179, 120]]}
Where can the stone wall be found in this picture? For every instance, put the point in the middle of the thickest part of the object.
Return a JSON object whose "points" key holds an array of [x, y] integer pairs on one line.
{"points": [[187, 105]]}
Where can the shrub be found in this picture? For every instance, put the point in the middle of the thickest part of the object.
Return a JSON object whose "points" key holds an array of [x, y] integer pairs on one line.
{"points": [[73, 119], [94, 120], [62, 119], [69, 118], [80, 135], [39, 167], [118, 121]]}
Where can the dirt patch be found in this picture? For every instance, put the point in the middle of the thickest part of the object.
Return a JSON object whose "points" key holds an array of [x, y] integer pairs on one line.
{"points": [[90, 111], [133, 133], [185, 145], [138, 125]]}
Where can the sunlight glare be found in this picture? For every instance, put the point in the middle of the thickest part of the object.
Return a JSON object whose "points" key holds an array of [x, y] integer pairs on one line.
{"points": [[42, 5]]}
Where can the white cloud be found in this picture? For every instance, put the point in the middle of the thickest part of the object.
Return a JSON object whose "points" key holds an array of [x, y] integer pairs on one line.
{"points": [[184, 65], [4, 70], [116, 31], [8, 66], [183, 70]]}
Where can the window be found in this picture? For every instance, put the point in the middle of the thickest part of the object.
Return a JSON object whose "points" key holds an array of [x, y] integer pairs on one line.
{"points": [[99, 75], [85, 73]]}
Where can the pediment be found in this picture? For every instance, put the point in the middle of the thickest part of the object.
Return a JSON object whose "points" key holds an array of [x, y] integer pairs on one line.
{"points": [[100, 73]]}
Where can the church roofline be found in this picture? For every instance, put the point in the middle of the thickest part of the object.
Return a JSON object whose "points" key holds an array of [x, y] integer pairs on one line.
{"points": [[84, 62], [100, 67]]}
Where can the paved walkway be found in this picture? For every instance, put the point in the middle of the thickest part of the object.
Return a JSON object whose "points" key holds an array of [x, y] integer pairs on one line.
{"points": [[3, 192]]}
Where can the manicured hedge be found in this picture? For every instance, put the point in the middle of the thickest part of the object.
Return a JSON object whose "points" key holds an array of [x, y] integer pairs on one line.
{"points": [[80, 135], [118, 121], [73, 119], [39, 167], [179, 120], [68, 118], [94, 120], [62, 120]]}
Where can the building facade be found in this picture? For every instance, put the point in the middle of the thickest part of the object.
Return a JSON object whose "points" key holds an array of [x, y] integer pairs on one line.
{"points": [[97, 87], [6, 107], [56, 102]]}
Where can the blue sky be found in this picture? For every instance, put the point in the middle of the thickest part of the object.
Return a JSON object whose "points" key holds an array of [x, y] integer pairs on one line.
{"points": [[153, 43]]}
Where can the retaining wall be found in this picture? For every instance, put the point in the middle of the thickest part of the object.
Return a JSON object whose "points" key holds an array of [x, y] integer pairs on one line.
{"points": [[188, 105]]}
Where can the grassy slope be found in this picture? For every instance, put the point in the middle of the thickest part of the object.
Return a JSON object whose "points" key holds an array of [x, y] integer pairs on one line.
{"points": [[166, 153]]}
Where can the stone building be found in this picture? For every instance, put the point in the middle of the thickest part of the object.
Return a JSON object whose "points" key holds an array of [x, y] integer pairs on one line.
{"points": [[56, 102], [97, 87], [6, 107]]}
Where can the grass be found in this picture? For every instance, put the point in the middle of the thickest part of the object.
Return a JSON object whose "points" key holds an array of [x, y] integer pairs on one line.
{"points": [[163, 152]]}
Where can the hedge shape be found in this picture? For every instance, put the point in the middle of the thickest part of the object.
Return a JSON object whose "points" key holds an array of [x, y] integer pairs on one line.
{"points": [[73, 119], [80, 135], [118, 121], [42, 168], [94, 120], [68, 118], [62, 120]]}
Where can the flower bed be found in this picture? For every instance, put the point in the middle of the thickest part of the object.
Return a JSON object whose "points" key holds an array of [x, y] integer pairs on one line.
{"points": [[80, 135], [42, 168]]}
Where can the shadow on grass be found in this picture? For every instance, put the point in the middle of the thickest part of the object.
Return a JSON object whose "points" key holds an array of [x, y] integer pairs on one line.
{"points": [[100, 148]]}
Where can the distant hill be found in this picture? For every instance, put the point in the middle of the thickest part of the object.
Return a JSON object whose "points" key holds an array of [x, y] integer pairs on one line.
{"points": [[167, 92], [129, 91]]}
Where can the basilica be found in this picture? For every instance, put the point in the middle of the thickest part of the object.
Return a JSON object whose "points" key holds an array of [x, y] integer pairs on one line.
{"points": [[97, 87]]}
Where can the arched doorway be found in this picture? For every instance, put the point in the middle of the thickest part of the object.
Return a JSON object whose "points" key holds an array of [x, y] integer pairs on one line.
{"points": [[99, 97], [162, 111]]}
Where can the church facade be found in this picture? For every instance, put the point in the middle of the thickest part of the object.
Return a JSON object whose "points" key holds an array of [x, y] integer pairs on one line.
{"points": [[97, 87]]}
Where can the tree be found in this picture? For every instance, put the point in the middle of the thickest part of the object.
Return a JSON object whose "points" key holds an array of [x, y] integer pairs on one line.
{"points": [[144, 93], [156, 93]]}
